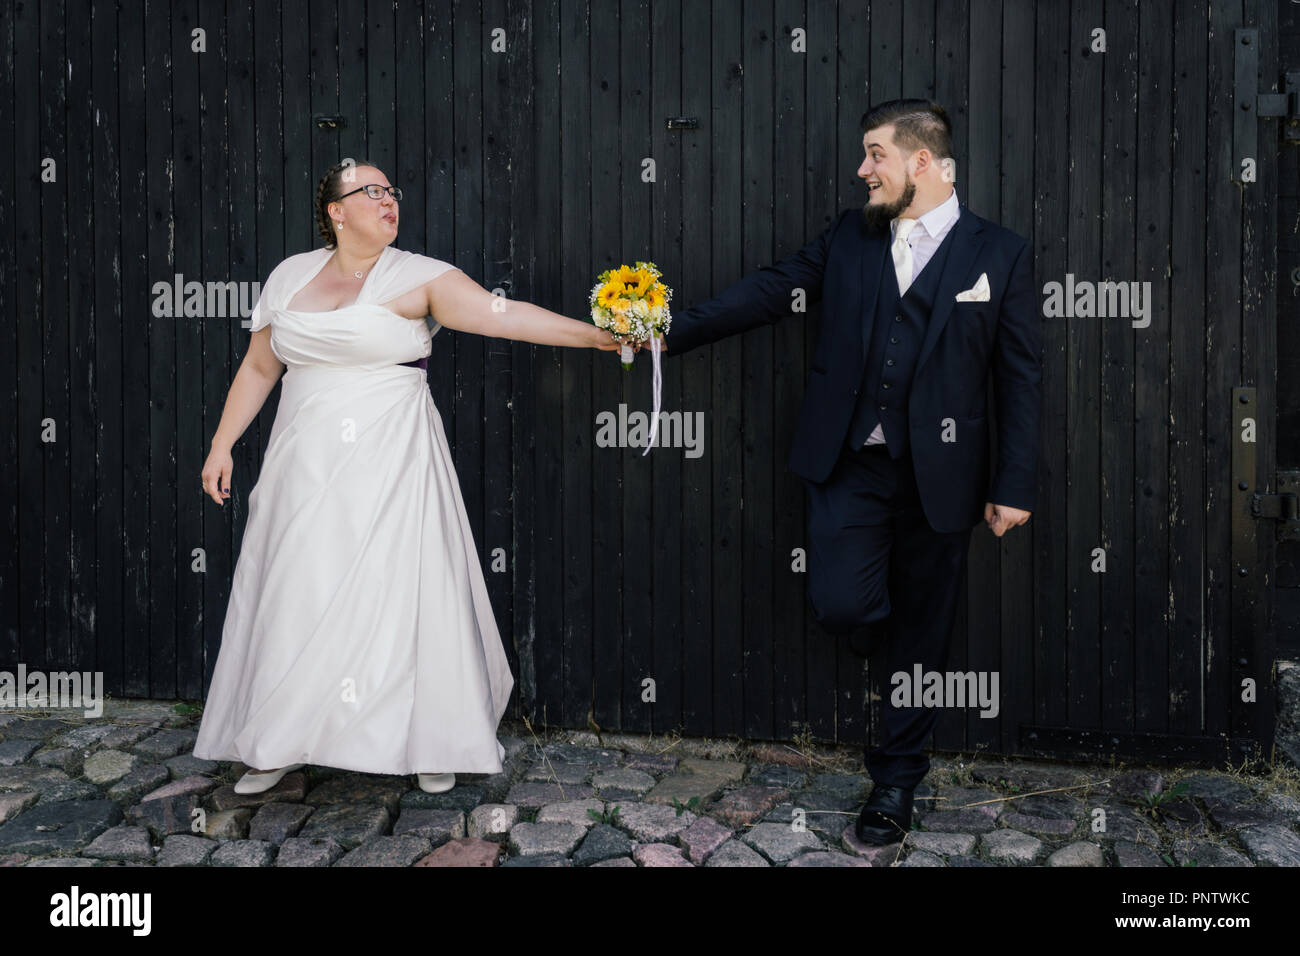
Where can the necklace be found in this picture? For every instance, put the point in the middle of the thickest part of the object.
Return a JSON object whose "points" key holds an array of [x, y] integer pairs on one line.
{"points": [[357, 273]]}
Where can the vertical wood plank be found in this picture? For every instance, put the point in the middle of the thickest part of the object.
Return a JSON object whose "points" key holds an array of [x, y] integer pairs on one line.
{"points": [[9, 441], [979, 617], [439, 210], [1083, 374], [205, 354], [358, 48], [83, 412], [667, 224], [56, 475], [603, 643], [728, 87], [541, 645], [1208, 663], [1153, 624], [1259, 355], [141, 224], [1189, 559], [169, 113], [1014, 655], [696, 373], [468, 123], [1052, 56], [832, 710], [757, 450], [325, 64], [791, 70], [494, 472], [112, 224], [1117, 339], [376, 31], [253, 92], [524, 357], [635, 52], [566, 692]]}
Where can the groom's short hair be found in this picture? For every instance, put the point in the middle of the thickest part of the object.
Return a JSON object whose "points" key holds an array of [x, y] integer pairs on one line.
{"points": [[917, 124]]}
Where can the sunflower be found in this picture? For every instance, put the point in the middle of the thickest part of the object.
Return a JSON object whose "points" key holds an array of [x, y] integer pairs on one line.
{"points": [[609, 294], [626, 276], [644, 280], [655, 298]]}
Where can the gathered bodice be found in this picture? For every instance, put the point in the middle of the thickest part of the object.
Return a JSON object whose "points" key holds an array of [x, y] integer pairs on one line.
{"points": [[357, 336]]}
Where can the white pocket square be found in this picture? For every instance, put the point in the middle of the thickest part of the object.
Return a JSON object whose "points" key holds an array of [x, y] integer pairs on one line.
{"points": [[979, 292]]}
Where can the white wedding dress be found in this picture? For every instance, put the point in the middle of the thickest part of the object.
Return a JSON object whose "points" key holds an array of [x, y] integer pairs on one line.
{"points": [[359, 634]]}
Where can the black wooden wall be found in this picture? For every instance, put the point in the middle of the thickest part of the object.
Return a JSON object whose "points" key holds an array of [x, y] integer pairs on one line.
{"points": [[523, 167]]}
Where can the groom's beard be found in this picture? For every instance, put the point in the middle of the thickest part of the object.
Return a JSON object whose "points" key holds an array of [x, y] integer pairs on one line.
{"points": [[879, 216]]}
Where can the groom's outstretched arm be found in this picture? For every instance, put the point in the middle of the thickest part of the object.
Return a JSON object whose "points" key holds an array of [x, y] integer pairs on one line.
{"points": [[1017, 388], [761, 297]]}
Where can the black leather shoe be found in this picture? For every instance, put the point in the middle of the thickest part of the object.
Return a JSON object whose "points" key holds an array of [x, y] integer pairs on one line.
{"points": [[887, 815]]}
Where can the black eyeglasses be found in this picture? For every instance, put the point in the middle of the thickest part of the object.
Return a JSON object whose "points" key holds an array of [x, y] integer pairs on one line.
{"points": [[375, 191]]}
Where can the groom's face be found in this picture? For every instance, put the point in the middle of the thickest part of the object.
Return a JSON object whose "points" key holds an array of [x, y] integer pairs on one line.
{"points": [[890, 189]]}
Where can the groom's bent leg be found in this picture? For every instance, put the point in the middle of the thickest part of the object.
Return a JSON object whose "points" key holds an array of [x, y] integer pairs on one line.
{"points": [[849, 537], [926, 575]]}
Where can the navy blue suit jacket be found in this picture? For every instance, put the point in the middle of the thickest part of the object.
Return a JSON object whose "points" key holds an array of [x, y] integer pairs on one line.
{"points": [[965, 341]]}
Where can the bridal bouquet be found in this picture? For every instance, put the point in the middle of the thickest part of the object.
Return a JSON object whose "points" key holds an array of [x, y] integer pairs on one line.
{"points": [[632, 305]]}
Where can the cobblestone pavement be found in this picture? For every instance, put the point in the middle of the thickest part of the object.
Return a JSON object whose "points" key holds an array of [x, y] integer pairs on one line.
{"points": [[123, 789]]}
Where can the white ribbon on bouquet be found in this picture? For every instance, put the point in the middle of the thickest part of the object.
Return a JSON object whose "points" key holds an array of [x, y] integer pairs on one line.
{"points": [[656, 385]]}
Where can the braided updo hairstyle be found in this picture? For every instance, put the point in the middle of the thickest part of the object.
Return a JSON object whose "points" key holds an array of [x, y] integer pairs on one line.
{"points": [[329, 189]]}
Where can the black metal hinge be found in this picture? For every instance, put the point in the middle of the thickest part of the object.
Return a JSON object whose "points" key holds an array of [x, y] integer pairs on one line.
{"points": [[1251, 104], [1283, 507], [1274, 506], [1285, 105]]}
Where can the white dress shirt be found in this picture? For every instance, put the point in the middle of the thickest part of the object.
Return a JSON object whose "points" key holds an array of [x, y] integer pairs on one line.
{"points": [[925, 237]]}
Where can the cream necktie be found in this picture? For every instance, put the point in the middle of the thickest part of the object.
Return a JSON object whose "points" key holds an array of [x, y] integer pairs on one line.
{"points": [[903, 253]]}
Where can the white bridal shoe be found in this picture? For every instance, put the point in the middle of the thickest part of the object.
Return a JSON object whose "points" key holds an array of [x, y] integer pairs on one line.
{"points": [[261, 782], [436, 782]]}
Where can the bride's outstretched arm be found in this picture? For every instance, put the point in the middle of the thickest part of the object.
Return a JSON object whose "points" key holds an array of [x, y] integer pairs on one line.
{"points": [[458, 302]]}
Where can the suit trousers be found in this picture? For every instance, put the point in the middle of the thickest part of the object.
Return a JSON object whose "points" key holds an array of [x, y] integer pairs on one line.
{"points": [[875, 563]]}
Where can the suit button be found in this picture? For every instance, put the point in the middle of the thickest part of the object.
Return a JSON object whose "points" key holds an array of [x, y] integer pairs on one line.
{"points": [[898, 318], [885, 385], [889, 361], [894, 341], [883, 407]]}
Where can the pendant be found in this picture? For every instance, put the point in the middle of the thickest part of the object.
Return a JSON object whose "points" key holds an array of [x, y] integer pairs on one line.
{"points": [[357, 274]]}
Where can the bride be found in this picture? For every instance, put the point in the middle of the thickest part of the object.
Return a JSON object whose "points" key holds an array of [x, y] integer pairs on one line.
{"points": [[358, 633]]}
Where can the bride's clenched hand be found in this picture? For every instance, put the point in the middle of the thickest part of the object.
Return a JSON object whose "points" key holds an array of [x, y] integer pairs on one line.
{"points": [[217, 469]]}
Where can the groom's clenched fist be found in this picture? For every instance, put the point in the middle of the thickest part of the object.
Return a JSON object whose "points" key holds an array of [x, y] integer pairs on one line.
{"points": [[1000, 518]]}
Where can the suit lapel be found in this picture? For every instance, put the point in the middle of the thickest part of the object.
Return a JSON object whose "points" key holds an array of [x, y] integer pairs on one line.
{"points": [[875, 251], [966, 243]]}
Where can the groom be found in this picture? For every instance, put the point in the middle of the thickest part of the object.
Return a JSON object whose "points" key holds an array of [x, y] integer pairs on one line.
{"points": [[921, 300]]}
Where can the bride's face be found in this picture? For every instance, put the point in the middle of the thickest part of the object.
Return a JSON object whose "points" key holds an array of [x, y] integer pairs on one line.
{"points": [[366, 219]]}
